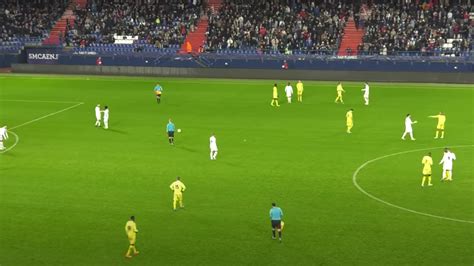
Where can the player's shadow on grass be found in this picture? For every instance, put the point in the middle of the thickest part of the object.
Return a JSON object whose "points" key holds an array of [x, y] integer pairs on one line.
{"points": [[186, 149], [232, 164], [117, 131]]}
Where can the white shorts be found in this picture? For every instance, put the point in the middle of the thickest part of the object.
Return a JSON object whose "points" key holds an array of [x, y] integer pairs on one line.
{"points": [[97, 117], [213, 148]]}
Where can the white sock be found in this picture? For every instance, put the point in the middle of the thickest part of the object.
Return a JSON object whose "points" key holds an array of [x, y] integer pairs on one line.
{"points": [[1, 145]]}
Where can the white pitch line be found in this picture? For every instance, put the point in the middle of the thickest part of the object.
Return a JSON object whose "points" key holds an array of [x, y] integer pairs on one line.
{"points": [[48, 115], [354, 181], [17, 139]]}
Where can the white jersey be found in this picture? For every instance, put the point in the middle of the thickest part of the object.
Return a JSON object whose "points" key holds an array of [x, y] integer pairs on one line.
{"points": [[289, 91], [3, 133], [97, 112], [106, 114], [408, 124], [366, 90], [447, 160], [213, 143]]}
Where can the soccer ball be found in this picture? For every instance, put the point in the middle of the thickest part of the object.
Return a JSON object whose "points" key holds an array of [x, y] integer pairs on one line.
{"points": [[179, 130]]}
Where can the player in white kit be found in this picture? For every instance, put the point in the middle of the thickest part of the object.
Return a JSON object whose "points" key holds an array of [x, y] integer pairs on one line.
{"points": [[213, 146], [289, 92], [408, 127], [447, 161], [366, 93], [3, 136], [97, 115], [106, 117]]}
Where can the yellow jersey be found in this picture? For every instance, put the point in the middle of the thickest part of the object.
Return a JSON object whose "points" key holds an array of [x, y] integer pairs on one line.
{"points": [[349, 116], [275, 92], [131, 228], [441, 119], [427, 162], [178, 187], [339, 89], [299, 87]]}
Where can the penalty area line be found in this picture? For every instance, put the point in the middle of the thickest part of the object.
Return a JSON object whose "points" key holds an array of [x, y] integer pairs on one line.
{"points": [[48, 115], [354, 181]]}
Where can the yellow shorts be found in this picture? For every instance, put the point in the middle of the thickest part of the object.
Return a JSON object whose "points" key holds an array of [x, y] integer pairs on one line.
{"points": [[441, 126], [426, 171], [350, 124], [177, 197], [132, 239], [339, 94]]}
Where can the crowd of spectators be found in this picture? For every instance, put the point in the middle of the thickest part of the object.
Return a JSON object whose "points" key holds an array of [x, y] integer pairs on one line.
{"points": [[28, 18], [159, 22], [283, 26], [278, 25], [420, 27]]}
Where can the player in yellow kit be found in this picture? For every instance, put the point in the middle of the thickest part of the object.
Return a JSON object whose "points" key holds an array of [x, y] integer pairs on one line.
{"points": [[349, 120], [178, 188], [275, 96], [131, 231], [339, 90], [299, 90], [427, 162], [440, 127]]}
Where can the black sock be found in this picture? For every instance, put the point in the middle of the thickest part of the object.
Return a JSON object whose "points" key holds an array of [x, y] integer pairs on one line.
{"points": [[273, 232], [169, 140], [279, 234]]}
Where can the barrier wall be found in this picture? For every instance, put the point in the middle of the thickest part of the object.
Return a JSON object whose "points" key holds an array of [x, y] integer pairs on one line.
{"points": [[6, 60], [279, 74], [302, 62]]}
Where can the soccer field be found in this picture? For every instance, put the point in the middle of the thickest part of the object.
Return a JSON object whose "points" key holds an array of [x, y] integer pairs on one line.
{"points": [[67, 188]]}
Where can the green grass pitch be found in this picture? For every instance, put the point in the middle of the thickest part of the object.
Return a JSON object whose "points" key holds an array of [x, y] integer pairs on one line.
{"points": [[67, 188]]}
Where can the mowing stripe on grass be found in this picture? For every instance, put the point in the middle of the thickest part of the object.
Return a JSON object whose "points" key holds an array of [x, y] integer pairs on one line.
{"points": [[354, 181], [35, 101], [219, 81]]}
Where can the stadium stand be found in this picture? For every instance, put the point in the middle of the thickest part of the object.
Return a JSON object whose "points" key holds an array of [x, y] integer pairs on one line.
{"points": [[26, 22], [161, 23], [277, 26], [403, 29], [240, 27]]}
